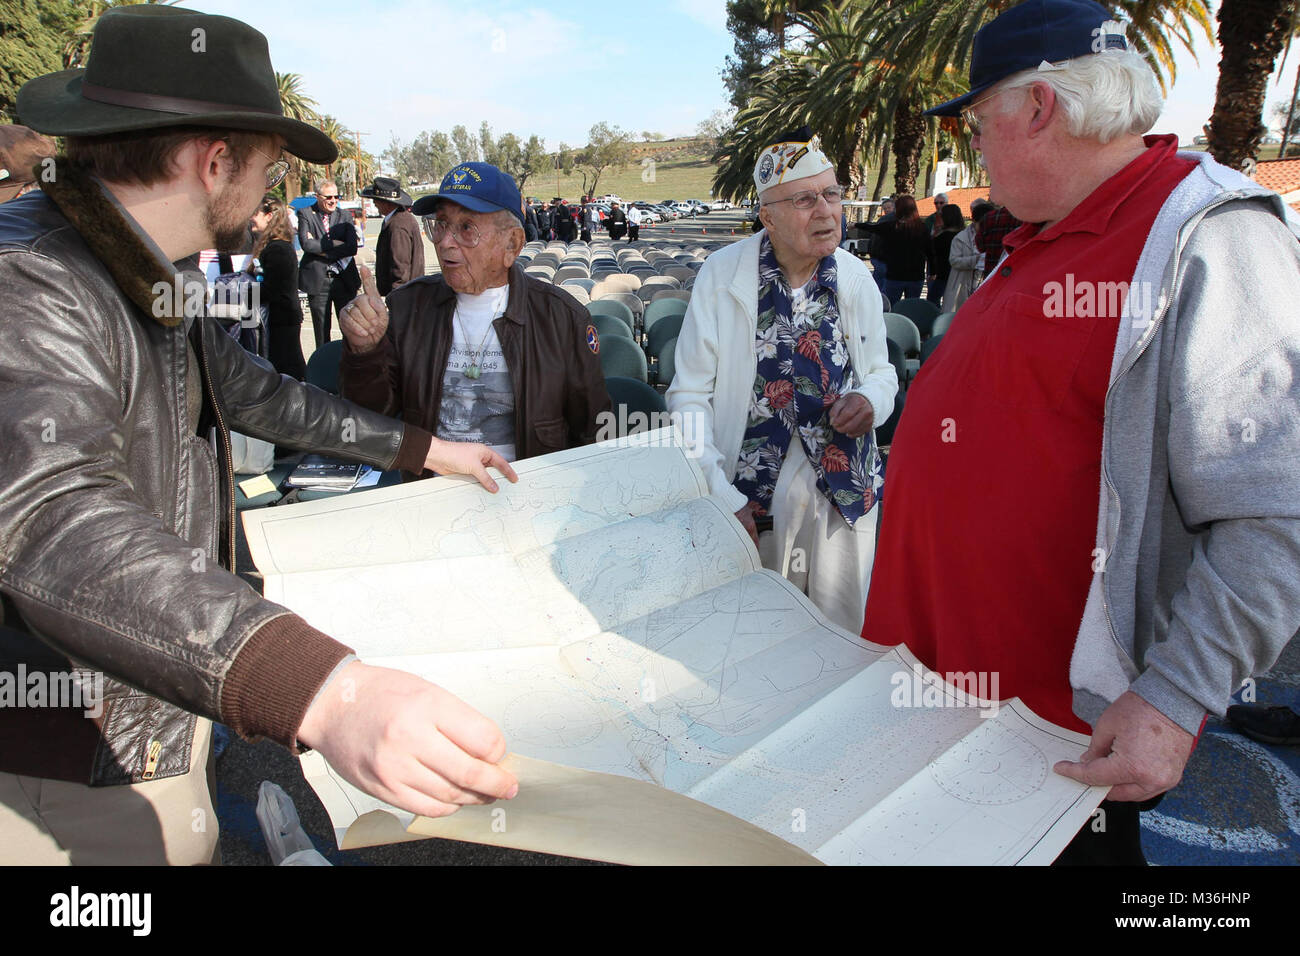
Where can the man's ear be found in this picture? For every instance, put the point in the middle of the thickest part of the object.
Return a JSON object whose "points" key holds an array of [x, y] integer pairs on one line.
{"points": [[208, 159], [763, 216], [1042, 97], [514, 246]]}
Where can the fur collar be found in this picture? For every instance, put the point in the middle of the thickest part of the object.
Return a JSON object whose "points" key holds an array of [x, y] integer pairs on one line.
{"points": [[133, 259]]}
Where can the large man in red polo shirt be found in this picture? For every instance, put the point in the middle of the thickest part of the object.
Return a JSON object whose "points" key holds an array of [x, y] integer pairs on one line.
{"points": [[1093, 492]]}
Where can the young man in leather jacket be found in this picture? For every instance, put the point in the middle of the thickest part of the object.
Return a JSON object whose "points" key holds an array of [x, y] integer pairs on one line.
{"points": [[116, 522]]}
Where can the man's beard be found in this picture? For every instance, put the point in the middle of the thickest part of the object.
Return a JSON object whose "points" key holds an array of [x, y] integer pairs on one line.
{"points": [[228, 224]]}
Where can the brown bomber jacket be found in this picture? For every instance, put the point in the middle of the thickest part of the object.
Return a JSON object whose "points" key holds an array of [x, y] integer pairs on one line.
{"points": [[116, 518], [545, 335]]}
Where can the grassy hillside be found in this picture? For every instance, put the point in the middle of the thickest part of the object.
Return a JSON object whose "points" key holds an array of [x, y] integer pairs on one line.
{"points": [[681, 170]]}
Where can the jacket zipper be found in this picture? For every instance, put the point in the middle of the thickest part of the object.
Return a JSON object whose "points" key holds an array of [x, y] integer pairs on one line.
{"points": [[1180, 243], [227, 461], [151, 760]]}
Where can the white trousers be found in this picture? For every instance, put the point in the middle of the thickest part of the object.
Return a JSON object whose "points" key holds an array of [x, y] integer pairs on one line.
{"points": [[813, 547]]}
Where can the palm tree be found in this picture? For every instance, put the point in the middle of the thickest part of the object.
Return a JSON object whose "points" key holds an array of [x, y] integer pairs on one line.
{"points": [[857, 102], [942, 32], [295, 104], [1251, 34], [933, 39]]}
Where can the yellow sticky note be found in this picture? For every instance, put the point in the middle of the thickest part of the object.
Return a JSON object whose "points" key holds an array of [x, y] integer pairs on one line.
{"points": [[252, 487]]}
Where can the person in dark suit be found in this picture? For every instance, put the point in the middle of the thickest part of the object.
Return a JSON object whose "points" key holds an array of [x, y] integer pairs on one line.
{"points": [[564, 229], [532, 229], [617, 222], [329, 243], [399, 254]]}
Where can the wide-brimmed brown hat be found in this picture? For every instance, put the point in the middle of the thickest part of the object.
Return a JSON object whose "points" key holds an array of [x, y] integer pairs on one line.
{"points": [[153, 66], [388, 189]]}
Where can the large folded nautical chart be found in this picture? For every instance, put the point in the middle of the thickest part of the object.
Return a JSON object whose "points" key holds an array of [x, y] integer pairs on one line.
{"points": [[612, 617]]}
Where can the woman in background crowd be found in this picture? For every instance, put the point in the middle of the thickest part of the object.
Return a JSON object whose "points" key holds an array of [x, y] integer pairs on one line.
{"points": [[904, 248], [273, 247], [965, 261], [953, 222]]}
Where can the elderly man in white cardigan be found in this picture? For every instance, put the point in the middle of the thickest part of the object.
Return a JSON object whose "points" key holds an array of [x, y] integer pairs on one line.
{"points": [[783, 373]]}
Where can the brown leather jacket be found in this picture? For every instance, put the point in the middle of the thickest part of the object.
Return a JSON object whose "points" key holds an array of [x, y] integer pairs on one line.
{"points": [[399, 253], [546, 338], [116, 517]]}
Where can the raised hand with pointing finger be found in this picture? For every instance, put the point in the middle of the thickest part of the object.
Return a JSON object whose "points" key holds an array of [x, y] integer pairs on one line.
{"points": [[364, 320]]}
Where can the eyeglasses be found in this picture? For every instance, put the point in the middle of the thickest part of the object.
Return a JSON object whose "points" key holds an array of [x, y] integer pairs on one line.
{"points": [[327, 195], [833, 195], [466, 233], [973, 122], [276, 170]]}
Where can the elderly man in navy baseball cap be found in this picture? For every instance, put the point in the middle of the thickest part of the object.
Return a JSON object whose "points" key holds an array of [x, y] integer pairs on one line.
{"points": [[1129, 371], [482, 351]]}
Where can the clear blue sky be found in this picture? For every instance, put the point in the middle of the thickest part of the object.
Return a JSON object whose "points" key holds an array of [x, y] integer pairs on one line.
{"points": [[552, 68]]}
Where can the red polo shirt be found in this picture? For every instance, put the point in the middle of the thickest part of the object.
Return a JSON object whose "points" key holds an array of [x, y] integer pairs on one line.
{"points": [[985, 553]]}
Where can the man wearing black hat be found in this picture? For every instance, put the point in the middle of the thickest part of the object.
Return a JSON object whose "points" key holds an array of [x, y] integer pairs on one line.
{"points": [[481, 352], [399, 254], [1131, 549], [117, 525]]}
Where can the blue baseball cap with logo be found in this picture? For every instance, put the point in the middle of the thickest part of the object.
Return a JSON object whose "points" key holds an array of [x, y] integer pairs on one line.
{"points": [[479, 187], [1031, 34]]}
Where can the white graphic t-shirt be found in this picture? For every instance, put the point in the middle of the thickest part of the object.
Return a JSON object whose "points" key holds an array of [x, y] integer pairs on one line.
{"points": [[478, 399]]}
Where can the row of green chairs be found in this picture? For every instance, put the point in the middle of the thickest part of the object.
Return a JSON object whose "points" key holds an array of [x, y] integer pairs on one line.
{"points": [[621, 354]]}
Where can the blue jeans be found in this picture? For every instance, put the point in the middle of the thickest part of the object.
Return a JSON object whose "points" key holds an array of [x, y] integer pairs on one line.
{"points": [[896, 290]]}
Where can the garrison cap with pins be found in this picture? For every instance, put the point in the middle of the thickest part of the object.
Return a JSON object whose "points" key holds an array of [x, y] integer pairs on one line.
{"points": [[794, 155]]}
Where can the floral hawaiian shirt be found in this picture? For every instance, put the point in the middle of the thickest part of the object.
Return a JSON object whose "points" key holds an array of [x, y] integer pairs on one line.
{"points": [[803, 368]]}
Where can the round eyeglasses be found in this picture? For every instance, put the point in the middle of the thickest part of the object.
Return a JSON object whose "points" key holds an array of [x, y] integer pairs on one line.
{"points": [[834, 195], [465, 232], [276, 170]]}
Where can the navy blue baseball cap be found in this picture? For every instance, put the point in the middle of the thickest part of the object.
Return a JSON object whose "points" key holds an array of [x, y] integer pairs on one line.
{"points": [[1033, 33], [479, 187]]}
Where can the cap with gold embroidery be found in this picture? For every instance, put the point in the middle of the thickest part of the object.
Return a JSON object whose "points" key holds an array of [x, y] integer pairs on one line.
{"points": [[797, 155]]}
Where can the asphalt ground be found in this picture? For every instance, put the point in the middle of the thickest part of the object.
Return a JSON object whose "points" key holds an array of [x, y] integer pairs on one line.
{"points": [[1237, 805]]}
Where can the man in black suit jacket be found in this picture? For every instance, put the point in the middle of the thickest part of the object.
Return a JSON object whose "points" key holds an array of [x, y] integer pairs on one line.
{"points": [[329, 244], [399, 254], [563, 221]]}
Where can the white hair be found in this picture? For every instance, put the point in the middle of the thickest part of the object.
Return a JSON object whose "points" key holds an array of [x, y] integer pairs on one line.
{"points": [[505, 219], [1103, 96]]}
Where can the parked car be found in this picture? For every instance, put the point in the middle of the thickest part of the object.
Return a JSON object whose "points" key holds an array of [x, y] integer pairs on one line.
{"points": [[720, 204], [367, 205], [701, 207]]}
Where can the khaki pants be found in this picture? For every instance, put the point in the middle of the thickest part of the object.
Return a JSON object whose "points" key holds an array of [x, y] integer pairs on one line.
{"points": [[56, 823], [812, 546]]}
